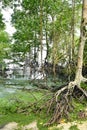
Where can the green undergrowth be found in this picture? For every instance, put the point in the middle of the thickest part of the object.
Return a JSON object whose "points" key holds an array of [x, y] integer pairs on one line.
{"points": [[19, 100], [74, 127], [22, 119], [84, 86], [78, 107]]}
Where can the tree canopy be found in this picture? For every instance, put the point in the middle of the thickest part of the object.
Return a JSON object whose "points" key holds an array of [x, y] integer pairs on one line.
{"points": [[46, 31]]}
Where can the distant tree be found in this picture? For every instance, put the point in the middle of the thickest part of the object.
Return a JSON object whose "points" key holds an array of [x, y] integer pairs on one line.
{"points": [[4, 45], [4, 41], [2, 25]]}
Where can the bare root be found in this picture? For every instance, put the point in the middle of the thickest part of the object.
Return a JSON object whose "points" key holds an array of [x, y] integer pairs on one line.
{"points": [[61, 102]]}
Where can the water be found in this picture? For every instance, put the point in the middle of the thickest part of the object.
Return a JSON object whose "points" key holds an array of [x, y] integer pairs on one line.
{"points": [[6, 90], [10, 86]]}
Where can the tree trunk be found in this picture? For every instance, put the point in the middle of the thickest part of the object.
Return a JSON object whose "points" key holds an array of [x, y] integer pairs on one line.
{"points": [[41, 28], [83, 38], [73, 28], [62, 100], [46, 31]]}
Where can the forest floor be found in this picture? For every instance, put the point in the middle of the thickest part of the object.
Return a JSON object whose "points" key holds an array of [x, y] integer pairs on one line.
{"points": [[26, 110], [33, 126], [71, 126]]}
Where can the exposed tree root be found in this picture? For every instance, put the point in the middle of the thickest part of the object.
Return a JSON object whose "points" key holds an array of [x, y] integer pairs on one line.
{"points": [[61, 102], [58, 104]]}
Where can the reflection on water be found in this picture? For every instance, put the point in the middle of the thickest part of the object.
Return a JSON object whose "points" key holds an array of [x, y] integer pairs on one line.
{"points": [[11, 86], [4, 91]]}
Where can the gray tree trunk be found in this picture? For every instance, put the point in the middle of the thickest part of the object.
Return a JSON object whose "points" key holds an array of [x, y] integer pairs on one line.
{"points": [[83, 38]]}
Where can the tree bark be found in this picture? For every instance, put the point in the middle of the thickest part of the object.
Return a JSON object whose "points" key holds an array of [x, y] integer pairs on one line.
{"points": [[41, 28], [73, 28], [83, 35]]}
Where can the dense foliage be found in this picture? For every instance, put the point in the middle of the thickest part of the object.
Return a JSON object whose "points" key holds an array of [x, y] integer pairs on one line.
{"points": [[46, 30], [49, 41]]}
